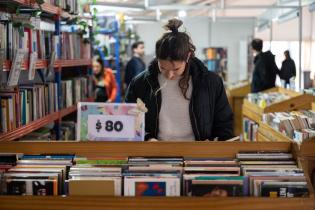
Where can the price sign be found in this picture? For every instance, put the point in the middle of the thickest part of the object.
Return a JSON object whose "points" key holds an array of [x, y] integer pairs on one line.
{"points": [[109, 122], [111, 126]]}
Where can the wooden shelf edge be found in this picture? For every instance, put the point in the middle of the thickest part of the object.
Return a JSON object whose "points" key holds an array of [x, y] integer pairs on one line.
{"points": [[41, 64], [154, 203], [30, 127]]}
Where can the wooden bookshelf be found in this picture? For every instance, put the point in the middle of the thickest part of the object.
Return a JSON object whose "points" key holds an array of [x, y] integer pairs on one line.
{"points": [[295, 102], [121, 149], [313, 106], [42, 64], [30, 127], [267, 133], [236, 97], [34, 125]]}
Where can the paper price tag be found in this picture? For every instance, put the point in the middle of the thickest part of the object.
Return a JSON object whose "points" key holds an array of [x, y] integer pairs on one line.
{"points": [[16, 67], [111, 126], [32, 70]]}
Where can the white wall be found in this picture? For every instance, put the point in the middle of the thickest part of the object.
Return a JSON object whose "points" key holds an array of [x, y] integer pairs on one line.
{"points": [[204, 33], [233, 34], [197, 28]]}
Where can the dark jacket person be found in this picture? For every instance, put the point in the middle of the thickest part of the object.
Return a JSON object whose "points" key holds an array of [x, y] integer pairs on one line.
{"points": [[185, 101], [265, 70], [288, 69]]}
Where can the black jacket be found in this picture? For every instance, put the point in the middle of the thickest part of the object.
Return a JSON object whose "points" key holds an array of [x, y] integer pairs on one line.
{"points": [[287, 70], [134, 67], [210, 113], [265, 72]]}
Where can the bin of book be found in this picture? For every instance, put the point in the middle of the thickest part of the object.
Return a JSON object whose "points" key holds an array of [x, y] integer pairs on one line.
{"points": [[155, 175], [272, 100], [236, 94]]}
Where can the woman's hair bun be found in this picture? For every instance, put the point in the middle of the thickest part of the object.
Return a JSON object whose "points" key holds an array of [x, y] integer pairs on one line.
{"points": [[173, 25]]}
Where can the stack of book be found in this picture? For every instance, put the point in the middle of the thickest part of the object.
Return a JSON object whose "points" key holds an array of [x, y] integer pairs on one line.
{"points": [[71, 46], [255, 173], [250, 129], [38, 175], [27, 103], [75, 90], [212, 177], [153, 176], [297, 125], [272, 174], [266, 99], [40, 38], [96, 177], [70, 6]]}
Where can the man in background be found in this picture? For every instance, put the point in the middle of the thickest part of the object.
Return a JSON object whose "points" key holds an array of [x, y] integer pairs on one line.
{"points": [[136, 64], [265, 70]]}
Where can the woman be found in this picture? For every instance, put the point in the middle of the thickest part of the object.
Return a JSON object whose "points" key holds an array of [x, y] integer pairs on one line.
{"points": [[185, 101], [105, 82], [288, 70]]}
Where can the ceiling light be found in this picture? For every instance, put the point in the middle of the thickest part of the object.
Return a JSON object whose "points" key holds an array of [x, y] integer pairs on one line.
{"points": [[182, 13]]}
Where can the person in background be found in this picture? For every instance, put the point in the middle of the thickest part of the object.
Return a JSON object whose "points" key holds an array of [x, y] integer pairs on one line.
{"points": [[185, 101], [135, 64], [265, 70], [105, 82], [288, 69]]}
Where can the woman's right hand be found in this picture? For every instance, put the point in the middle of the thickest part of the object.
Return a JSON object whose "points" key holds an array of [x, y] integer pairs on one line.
{"points": [[153, 139]]}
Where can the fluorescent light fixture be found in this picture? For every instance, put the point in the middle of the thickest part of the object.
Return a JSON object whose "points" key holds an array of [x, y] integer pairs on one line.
{"points": [[182, 13], [263, 26], [312, 7], [288, 16], [121, 7], [214, 15]]}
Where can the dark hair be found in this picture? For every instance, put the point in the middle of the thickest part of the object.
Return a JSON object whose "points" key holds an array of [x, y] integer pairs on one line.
{"points": [[257, 44], [176, 46], [287, 54], [99, 60], [136, 44]]}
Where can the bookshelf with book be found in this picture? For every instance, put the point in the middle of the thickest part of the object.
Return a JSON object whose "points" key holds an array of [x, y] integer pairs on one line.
{"points": [[236, 94], [273, 100], [116, 153], [296, 126], [34, 97]]}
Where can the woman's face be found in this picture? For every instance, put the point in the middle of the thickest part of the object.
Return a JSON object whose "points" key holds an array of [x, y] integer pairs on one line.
{"points": [[171, 69], [97, 68]]}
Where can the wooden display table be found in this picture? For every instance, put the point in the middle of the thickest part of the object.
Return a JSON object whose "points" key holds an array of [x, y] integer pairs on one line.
{"points": [[122, 149], [236, 97]]}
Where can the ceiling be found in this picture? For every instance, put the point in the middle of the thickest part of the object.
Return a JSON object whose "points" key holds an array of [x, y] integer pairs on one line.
{"points": [[153, 10]]}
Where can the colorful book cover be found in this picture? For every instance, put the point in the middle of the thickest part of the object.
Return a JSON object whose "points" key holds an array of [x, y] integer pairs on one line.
{"points": [[125, 122], [150, 189]]}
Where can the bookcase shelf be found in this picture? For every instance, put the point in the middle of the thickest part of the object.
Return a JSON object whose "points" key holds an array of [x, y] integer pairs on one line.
{"points": [[123, 149], [41, 64], [295, 102], [30, 127], [236, 97], [34, 125]]}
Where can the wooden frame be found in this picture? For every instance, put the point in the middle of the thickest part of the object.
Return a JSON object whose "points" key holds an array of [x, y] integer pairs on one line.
{"points": [[236, 97], [121, 149], [297, 101]]}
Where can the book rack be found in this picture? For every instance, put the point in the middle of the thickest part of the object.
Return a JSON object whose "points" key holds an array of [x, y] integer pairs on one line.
{"points": [[32, 126], [188, 149], [295, 102], [236, 97], [57, 14]]}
